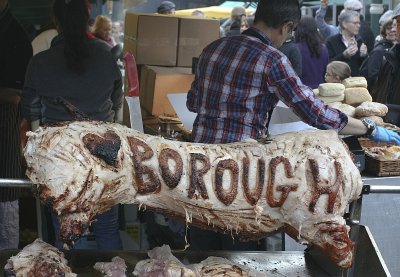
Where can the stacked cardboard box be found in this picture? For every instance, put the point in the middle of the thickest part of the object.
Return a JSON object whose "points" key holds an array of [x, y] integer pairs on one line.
{"points": [[164, 47]]}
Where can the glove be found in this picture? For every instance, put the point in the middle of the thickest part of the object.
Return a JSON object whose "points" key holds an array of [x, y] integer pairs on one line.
{"points": [[385, 135]]}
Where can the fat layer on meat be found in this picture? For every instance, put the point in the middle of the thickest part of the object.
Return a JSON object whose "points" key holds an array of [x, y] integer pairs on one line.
{"points": [[298, 182]]}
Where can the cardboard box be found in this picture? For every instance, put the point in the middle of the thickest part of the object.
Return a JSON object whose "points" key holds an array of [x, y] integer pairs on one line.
{"points": [[156, 82], [194, 35], [167, 40], [152, 38]]}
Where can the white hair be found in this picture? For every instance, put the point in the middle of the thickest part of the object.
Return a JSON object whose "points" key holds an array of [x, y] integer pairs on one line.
{"points": [[346, 16], [354, 5]]}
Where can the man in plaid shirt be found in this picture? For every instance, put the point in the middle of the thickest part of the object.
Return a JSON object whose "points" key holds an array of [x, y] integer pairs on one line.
{"points": [[240, 79]]}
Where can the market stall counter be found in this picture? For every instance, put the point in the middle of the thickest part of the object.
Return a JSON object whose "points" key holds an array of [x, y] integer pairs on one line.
{"points": [[277, 263]]}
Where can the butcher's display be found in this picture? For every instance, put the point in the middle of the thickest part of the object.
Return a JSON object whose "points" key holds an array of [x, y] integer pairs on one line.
{"points": [[297, 182], [38, 259]]}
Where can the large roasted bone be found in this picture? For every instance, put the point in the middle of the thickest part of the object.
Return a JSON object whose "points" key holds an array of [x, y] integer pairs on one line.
{"points": [[299, 182]]}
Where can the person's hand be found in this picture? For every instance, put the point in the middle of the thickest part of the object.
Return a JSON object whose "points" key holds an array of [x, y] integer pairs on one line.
{"points": [[350, 51], [385, 135], [363, 50], [324, 3]]}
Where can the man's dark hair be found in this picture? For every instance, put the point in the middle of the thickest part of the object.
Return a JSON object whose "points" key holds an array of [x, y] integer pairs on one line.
{"points": [[73, 16], [274, 13]]}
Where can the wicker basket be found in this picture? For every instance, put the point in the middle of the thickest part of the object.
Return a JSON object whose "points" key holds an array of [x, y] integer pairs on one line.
{"points": [[377, 166], [367, 143], [382, 167]]}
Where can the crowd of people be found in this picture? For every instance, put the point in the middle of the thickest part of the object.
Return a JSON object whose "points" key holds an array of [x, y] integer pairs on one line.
{"points": [[68, 70], [315, 43]]}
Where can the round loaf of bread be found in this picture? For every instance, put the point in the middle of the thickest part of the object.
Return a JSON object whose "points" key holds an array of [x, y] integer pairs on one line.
{"points": [[377, 119], [355, 82], [356, 96], [331, 89], [370, 109]]}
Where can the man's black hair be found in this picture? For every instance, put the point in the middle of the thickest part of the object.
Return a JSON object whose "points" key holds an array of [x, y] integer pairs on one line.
{"points": [[274, 13]]}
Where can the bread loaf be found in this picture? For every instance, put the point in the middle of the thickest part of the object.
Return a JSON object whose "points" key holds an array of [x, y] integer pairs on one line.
{"points": [[331, 89], [356, 96], [316, 91], [335, 105], [378, 120], [371, 108], [347, 109], [331, 99], [353, 82]]}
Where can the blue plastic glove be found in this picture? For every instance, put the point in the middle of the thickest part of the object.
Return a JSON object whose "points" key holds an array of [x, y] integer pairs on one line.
{"points": [[385, 135]]}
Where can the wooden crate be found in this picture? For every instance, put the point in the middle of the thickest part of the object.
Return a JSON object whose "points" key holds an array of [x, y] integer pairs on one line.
{"points": [[382, 167]]}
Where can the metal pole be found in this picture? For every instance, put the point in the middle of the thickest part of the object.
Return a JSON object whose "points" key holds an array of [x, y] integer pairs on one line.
{"points": [[16, 183], [26, 184], [376, 10], [380, 189]]}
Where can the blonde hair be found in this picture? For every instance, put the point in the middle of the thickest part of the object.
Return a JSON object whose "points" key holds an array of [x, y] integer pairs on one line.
{"points": [[100, 22], [340, 69]]}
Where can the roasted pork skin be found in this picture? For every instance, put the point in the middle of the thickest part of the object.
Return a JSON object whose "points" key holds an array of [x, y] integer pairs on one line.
{"points": [[298, 182]]}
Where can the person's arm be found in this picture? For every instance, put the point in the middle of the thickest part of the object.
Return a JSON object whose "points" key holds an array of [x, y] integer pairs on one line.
{"points": [[313, 111], [30, 99], [356, 127], [324, 28], [117, 97]]}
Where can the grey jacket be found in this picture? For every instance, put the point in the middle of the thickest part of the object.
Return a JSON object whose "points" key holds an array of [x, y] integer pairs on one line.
{"points": [[97, 92]]}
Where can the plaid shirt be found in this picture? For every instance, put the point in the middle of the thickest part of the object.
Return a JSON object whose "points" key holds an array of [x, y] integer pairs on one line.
{"points": [[239, 79]]}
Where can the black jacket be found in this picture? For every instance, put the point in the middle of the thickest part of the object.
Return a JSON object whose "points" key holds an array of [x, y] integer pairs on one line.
{"points": [[367, 35], [372, 65], [387, 87], [97, 91], [289, 48], [336, 47]]}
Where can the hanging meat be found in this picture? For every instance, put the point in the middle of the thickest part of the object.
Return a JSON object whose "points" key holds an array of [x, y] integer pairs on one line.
{"points": [[297, 182]]}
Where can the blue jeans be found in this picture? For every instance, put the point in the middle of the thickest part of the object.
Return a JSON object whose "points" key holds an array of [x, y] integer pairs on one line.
{"points": [[105, 230]]}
